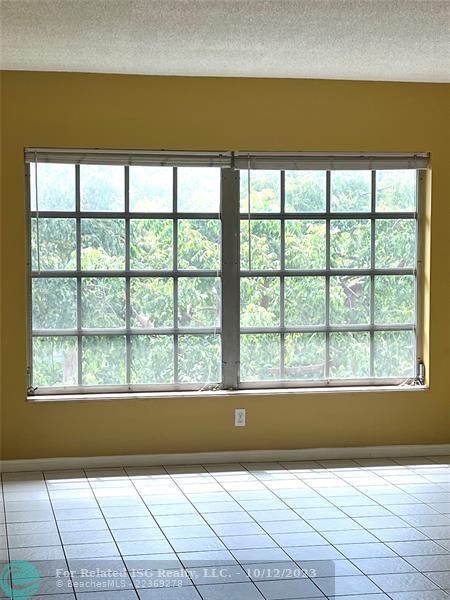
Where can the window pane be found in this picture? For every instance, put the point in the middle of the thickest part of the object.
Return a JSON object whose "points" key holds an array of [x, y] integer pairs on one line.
{"points": [[151, 189], [350, 300], [350, 244], [260, 301], [265, 246], [54, 361], [304, 301], [394, 353], [395, 243], [199, 302], [151, 359], [305, 191], [56, 186], [151, 244], [349, 355], [102, 244], [57, 244], [198, 189], [351, 191], [394, 299], [199, 358], [103, 302], [151, 302], [54, 303], [260, 357], [304, 356], [305, 245], [396, 190], [102, 187], [199, 244], [104, 360], [265, 189]]}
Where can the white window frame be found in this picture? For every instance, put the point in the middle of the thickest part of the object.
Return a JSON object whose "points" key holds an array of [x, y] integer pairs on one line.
{"points": [[231, 163]]}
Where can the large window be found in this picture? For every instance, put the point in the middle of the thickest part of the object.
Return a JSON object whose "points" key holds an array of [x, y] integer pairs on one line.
{"points": [[155, 272]]}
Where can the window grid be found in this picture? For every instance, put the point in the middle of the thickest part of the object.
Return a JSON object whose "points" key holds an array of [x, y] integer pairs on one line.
{"points": [[372, 272], [127, 273], [128, 331]]}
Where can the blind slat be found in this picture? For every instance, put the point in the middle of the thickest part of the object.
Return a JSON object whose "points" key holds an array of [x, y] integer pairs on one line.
{"points": [[138, 158], [240, 160], [338, 161]]}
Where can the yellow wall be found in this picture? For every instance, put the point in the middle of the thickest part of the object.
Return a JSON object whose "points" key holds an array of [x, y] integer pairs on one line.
{"points": [[85, 110]]}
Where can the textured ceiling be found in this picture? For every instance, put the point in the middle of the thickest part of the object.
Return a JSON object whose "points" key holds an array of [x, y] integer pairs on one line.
{"points": [[402, 40]]}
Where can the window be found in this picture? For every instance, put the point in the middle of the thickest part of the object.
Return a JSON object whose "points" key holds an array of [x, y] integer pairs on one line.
{"points": [[217, 270]]}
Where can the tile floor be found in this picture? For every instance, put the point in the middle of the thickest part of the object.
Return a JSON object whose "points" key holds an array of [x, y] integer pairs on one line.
{"points": [[369, 529]]}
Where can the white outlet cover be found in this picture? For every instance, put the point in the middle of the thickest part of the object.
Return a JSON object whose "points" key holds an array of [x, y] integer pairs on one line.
{"points": [[240, 417]]}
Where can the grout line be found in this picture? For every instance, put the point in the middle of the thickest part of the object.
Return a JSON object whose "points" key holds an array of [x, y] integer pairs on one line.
{"points": [[120, 557], [262, 526], [59, 533], [327, 472]]}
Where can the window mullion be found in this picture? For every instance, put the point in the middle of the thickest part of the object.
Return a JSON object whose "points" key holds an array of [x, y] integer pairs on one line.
{"points": [[78, 260], [175, 278], [327, 278], [127, 278], [282, 278], [230, 277], [372, 276]]}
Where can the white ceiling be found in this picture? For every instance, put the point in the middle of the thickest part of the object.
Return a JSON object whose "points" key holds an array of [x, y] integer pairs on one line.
{"points": [[401, 40]]}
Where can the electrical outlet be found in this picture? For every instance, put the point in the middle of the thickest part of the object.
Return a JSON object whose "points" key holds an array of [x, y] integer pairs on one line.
{"points": [[240, 417]]}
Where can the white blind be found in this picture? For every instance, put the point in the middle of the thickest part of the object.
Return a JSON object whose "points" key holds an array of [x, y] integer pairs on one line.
{"points": [[326, 161], [240, 160], [129, 157]]}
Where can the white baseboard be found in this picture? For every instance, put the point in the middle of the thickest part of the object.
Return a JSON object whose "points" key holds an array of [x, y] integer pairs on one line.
{"points": [[139, 460]]}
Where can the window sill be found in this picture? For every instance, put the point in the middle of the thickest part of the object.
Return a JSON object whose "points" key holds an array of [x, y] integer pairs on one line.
{"points": [[43, 399]]}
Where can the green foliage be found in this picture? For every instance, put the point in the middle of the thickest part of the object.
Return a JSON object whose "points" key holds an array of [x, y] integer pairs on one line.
{"points": [[102, 188], [264, 191], [351, 191], [305, 191], [265, 301], [350, 300], [260, 301], [305, 245], [396, 191], [199, 189], [394, 299], [395, 243], [57, 244], [54, 303], [304, 301], [151, 244], [151, 189], [349, 355], [263, 250], [152, 359], [199, 244], [103, 360], [151, 301], [304, 356], [56, 187], [55, 361], [103, 302], [102, 244], [350, 244]]}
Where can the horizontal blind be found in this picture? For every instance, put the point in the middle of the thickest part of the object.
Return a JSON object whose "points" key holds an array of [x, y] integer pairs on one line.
{"points": [[239, 160], [326, 161], [130, 157]]}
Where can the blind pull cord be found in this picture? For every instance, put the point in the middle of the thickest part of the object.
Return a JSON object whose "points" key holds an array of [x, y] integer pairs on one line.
{"points": [[248, 214], [38, 250]]}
